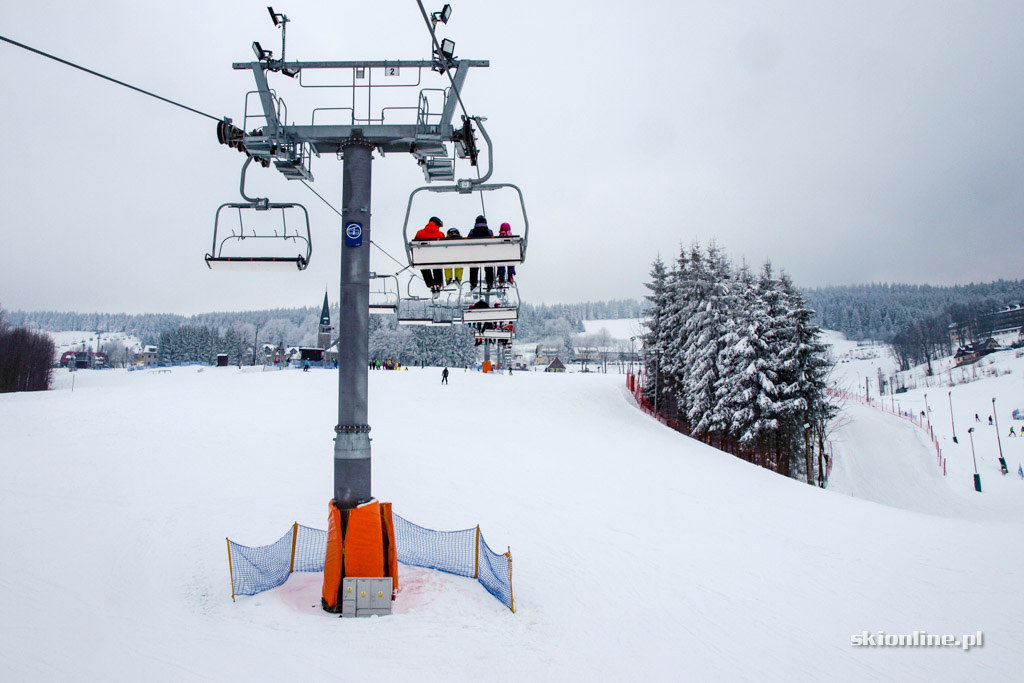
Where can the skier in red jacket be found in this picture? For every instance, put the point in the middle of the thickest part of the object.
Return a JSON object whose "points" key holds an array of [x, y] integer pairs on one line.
{"points": [[433, 278]]}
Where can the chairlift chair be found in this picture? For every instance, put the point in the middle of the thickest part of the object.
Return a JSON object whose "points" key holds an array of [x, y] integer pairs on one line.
{"points": [[499, 334], [498, 314], [469, 252], [230, 252], [506, 311], [420, 311], [233, 252], [382, 300]]}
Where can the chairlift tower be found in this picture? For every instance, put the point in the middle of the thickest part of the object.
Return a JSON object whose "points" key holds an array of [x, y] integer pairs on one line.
{"points": [[268, 136]]}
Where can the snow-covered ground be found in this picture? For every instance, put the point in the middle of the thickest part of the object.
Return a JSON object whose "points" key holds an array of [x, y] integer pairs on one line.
{"points": [[639, 554], [951, 407]]}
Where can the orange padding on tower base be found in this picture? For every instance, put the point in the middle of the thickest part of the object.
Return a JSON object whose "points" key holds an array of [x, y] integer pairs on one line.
{"points": [[364, 548], [333, 560], [389, 551], [364, 543]]}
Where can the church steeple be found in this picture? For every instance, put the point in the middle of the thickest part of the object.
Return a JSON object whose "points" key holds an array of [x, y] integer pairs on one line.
{"points": [[324, 332], [325, 314]]}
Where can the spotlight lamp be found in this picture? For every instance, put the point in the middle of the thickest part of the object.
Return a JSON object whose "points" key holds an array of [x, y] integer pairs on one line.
{"points": [[261, 54], [447, 49], [277, 18], [443, 15]]}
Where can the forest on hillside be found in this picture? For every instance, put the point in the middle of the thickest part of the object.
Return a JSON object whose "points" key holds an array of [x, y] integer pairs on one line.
{"points": [[298, 326], [882, 311]]}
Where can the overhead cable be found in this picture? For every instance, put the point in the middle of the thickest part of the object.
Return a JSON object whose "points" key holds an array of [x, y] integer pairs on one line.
{"points": [[112, 80]]}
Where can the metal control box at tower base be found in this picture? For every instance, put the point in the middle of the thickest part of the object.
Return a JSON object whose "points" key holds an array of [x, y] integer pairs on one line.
{"points": [[366, 597]]}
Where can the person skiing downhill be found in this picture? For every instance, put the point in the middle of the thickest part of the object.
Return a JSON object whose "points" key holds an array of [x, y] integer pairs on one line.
{"points": [[444, 375]]}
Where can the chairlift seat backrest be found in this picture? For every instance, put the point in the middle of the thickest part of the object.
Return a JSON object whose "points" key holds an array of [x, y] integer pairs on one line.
{"points": [[383, 301], [493, 315], [506, 335], [426, 312], [470, 252]]}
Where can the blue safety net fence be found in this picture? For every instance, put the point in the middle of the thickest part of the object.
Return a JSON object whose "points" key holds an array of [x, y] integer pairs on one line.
{"points": [[303, 549]]}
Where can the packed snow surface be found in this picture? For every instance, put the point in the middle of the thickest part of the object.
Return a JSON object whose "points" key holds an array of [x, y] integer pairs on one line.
{"points": [[639, 554]]}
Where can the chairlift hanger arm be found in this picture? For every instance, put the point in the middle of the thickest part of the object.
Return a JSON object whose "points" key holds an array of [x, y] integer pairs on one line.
{"points": [[260, 202], [266, 99]]}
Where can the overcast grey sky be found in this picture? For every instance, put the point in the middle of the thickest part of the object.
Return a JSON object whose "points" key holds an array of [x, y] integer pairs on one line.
{"points": [[847, 142]]}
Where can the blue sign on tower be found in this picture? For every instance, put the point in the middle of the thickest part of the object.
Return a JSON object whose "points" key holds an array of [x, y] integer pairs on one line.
{"points": [[354, 235]]}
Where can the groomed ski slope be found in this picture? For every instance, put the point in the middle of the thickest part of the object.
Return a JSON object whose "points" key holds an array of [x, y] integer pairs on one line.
{"points": [[638, 554]]}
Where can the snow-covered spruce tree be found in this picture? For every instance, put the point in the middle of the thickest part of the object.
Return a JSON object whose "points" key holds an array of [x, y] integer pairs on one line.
{"points": [[805, 371], [746, 392], [164, 348], [440, 346], [654, 338], [703, 334], [682, 301], [234, 346], [738, 382], [775, 431]]}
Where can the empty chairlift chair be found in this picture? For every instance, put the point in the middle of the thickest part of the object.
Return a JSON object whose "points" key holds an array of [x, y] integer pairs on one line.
{"points": [[383, 299], [419, 311], [266, 236]]}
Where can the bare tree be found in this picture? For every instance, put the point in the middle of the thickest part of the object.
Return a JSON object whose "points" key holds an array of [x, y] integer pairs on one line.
{"points": [[116, 352]]}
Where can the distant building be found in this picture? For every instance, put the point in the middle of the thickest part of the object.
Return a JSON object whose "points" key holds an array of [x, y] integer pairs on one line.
{"points": [[149, 355], [1009, 319], [312, 354], [1006, 320], [555, 366], [544, 354], [965, 355], [83, 359]]}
